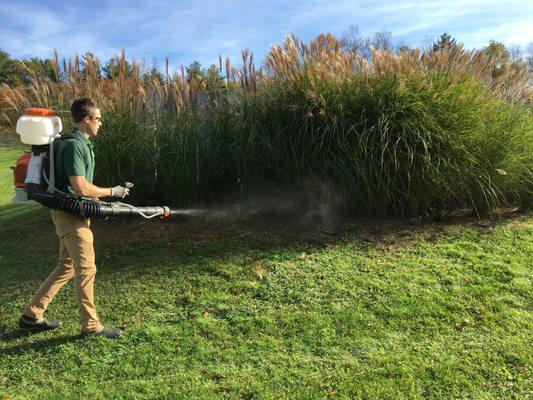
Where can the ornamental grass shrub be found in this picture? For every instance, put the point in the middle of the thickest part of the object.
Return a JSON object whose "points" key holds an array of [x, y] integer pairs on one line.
{"points": [[414, 133]]}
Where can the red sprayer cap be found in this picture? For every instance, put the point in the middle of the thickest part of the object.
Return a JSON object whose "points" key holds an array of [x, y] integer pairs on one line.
{"points": [[40, 112]]}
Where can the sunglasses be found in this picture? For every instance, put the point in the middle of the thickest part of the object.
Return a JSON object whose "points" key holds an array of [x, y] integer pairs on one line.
{"points": [[96, 118]]}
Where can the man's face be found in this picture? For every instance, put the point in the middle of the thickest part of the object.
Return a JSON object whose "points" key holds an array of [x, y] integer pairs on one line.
{"points": [[94, 121]]}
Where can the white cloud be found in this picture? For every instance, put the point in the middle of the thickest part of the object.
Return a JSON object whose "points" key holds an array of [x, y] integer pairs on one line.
{"points": [[189, 30], [520, 33]]}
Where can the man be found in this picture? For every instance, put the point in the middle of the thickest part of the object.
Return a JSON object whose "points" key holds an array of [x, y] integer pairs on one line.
{"points": [[74, 166]]}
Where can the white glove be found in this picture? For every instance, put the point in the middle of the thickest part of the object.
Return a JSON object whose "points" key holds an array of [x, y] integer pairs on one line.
{"points": [[119, 191]]}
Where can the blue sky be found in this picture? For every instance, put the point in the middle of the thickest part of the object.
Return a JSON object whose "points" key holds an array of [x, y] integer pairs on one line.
{"points": [[201, 30]]}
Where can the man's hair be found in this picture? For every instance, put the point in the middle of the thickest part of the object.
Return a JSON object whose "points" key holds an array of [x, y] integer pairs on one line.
{"points": [[82, 108]]}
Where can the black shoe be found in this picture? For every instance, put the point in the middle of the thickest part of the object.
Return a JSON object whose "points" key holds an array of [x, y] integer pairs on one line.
{"points": [[31, 324], [109, 333]]}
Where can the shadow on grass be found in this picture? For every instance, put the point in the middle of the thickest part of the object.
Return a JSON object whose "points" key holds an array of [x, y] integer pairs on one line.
{"points": [[135, 247], [28, 244], [136, 251], [39, 345]]}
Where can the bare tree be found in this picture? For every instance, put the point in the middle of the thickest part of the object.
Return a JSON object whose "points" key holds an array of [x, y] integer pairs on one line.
{"points": [[402, 47], [529, 57], [515, 51], [427, 43], [352, 41], [382, 40]]}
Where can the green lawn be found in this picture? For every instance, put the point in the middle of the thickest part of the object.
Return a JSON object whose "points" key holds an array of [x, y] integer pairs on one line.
{"points": [[275, 309]]}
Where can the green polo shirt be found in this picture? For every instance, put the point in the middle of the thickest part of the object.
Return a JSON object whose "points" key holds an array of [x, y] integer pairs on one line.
{"points": [[74, 157]]}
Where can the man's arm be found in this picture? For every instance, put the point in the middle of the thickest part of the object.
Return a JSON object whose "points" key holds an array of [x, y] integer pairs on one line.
{"points": [[83, 188]]}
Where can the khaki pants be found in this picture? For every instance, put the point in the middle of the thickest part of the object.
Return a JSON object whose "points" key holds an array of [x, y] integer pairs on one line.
{"points": [[76, 260]]}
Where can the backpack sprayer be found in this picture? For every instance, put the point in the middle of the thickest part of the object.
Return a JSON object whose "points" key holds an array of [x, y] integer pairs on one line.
{"points": [[34, 174]]}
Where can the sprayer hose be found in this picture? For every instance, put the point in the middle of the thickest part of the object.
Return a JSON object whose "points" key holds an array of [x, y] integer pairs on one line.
{"points": [[90, 209]]}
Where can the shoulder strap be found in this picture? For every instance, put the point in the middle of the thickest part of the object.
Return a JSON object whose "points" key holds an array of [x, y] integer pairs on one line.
{"points": [[71, 136]]}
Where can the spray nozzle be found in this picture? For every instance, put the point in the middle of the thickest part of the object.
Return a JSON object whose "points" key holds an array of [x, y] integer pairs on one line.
{"points": [[128, 185]]}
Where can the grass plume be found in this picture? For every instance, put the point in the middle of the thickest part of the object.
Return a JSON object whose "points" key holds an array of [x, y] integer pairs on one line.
{"points": [[412, 133]]}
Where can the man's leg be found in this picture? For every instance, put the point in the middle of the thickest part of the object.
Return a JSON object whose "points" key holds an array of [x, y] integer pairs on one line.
{"points": [[78, 240], [55, 281]]}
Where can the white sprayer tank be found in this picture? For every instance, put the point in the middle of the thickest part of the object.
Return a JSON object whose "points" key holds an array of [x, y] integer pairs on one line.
{"points": [[38, 126]]}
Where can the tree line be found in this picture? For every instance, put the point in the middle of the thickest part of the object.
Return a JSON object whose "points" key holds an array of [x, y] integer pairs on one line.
{"points": [[15, 72], [352, 40]]}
